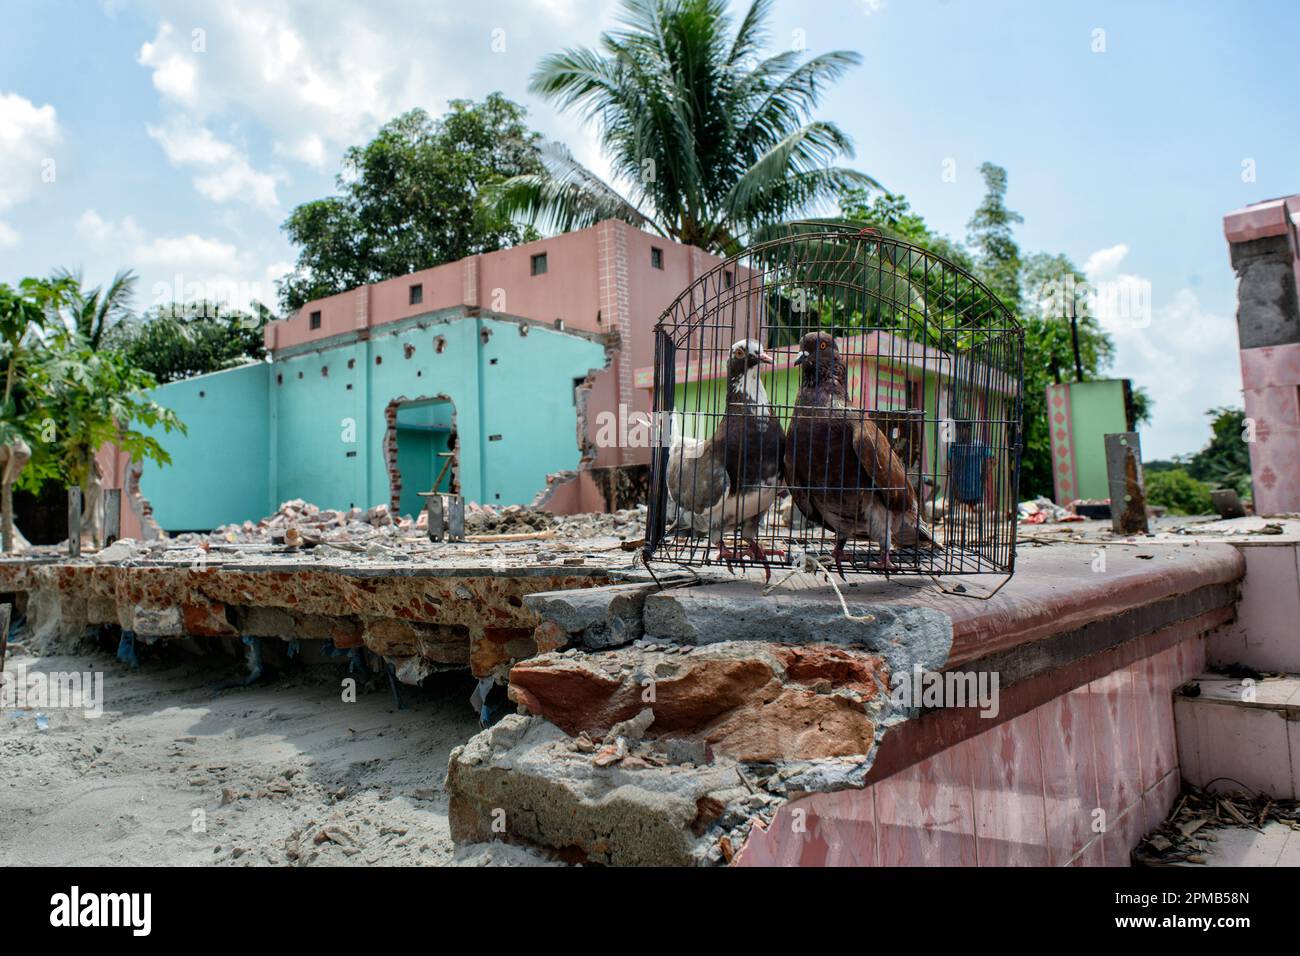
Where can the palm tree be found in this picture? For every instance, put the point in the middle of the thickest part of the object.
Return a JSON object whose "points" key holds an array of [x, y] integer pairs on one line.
{"points": [[93, 313], [713, 141]]}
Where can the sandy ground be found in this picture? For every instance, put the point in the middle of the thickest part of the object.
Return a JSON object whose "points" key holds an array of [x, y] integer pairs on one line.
{"points": [[176, 773]]}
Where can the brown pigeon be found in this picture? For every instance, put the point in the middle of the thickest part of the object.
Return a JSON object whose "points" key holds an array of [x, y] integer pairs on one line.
{"points": [[840, 468], [730, 480]]}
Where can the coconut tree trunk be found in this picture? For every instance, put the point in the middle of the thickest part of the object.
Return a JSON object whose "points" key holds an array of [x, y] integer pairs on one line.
{"points": [[92, 506]]}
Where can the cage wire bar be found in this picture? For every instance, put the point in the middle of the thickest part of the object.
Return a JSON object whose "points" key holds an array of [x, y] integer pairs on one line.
{"points": [[899, 438]]}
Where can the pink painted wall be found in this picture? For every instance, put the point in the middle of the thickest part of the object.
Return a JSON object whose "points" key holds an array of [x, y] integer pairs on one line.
{"points": [[114, 465]]}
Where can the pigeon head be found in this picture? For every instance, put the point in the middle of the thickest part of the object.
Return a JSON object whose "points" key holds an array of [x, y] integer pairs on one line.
{"points": [[745, 355], [819, 358], [742, 370]]}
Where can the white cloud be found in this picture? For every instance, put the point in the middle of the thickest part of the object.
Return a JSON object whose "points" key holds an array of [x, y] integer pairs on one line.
{"points": [[1104, 261], [238, 180], [183, 268], [187, 143], [1184, 355], [189, 253], [28, 136], [318, 81], [8, 236]]}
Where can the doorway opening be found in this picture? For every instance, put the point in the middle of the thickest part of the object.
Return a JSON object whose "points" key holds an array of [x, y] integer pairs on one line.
{"points": [[420, 446]]}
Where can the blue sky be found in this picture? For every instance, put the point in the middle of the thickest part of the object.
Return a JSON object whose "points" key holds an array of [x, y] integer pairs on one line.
{"points": [[129, 139]]}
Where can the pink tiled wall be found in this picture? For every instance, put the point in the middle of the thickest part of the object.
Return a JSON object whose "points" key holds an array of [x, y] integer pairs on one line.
{"points": [[1270, 379], [1265, 635], [1076, 781]]}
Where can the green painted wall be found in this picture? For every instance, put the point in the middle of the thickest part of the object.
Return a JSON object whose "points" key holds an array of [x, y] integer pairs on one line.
{"points": [[1096, 409], [219, 469], [309, 426]]}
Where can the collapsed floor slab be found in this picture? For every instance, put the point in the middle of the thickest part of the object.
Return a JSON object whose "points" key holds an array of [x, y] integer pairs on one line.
{"points": [[456, 608], [797, 695]]}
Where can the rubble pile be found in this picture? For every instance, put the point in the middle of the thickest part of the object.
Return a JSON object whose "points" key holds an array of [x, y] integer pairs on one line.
{"points": [[357, 524]]}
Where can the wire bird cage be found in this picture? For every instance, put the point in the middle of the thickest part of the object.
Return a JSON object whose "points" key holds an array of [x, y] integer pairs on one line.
{"points": [[841, 395]]}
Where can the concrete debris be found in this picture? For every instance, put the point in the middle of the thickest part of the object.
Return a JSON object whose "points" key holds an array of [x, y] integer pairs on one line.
{"points": [[520, 782], [595, 617]]}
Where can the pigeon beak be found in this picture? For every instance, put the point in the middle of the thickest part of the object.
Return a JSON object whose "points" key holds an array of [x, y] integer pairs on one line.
{"points": [[765, 358], [803, 357]]}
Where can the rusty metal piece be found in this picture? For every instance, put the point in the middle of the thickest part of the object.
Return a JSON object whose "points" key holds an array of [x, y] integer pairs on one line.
{"points": [[112, 515], [74, 522], [1128, 499]]}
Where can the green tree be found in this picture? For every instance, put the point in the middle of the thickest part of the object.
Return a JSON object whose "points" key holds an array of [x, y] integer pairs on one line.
{"points": [[180, 341], [1225, 461], [712, 140], [411, 198], [24, 311], [990, 237], [82, 398], [892, 214]]}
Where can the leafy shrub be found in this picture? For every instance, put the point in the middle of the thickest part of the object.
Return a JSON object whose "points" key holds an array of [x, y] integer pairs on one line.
{"points": [[1179, 492]]}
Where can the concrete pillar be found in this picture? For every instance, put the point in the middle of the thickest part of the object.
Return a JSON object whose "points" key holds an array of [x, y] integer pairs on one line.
{"points": [[1264, 247]]}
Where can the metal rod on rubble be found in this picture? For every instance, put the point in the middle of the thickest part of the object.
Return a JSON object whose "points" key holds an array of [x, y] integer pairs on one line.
{"points": [[434, 509], [1128, 500], [112, 515], [74, 522]]}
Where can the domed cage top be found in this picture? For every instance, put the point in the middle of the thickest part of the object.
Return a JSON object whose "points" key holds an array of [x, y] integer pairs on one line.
{"points": [[842, 395]]}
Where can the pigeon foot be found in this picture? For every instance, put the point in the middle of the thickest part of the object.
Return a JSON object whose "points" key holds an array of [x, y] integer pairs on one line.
{"points": [[758, 554], [727, 555], [884, 564]]}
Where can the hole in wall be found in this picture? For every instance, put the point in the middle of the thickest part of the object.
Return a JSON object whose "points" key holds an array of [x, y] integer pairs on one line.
{"points": [[420, 450]]}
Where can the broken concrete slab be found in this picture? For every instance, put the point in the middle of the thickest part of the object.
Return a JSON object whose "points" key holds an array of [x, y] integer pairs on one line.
{"points": [[595, 617], [739, 611], [521, 782], [744, 700], [452, 614]]}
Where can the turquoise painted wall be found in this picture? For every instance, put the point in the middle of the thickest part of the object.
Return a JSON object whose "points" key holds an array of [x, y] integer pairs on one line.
{"points": [[219, 471], [309, 426]]}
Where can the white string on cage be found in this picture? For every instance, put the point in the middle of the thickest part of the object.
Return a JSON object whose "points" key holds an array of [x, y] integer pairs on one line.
{"points": [[805, 563]]}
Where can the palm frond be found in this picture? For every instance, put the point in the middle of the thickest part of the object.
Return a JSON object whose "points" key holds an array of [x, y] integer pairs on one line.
{"points": [[566, 196]]}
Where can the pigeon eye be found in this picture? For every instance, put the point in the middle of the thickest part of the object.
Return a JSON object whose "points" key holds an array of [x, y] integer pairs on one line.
{"points": [[823, 346]]}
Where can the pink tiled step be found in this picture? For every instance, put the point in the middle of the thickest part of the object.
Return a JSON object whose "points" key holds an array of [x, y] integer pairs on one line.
{"points": [[1237, 734]]}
